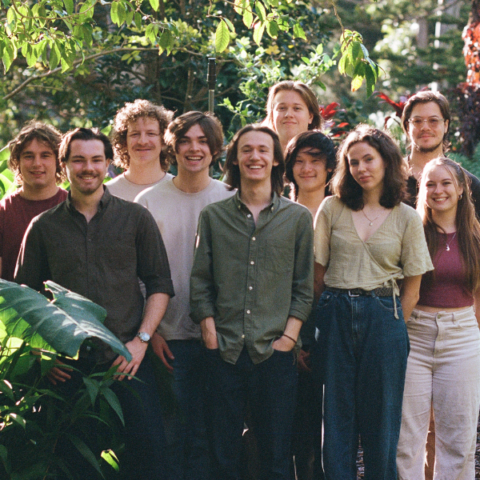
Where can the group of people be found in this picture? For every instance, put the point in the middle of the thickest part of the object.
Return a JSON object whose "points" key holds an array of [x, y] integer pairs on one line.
{"points": [[337, 314]]}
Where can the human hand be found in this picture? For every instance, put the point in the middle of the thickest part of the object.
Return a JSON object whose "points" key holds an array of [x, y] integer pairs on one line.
{"points": [[304, 361], [59, 374], [283, 344], [160, 347], [209, 333], [137, 349]]}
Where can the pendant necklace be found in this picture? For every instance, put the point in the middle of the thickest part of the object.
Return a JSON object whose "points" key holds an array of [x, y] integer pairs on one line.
{"points": [[370, 220], [447, 244]]}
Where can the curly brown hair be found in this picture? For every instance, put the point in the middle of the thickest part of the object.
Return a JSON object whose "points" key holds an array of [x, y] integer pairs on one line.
{"points": [[396, 170], [34, 130], [131, 112]]}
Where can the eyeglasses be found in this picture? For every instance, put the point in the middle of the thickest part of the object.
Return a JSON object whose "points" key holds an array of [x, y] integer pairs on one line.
{"points": [[432, 122]]}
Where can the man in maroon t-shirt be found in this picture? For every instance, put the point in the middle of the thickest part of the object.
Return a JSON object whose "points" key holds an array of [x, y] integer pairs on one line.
{"points": [[34, 161]]}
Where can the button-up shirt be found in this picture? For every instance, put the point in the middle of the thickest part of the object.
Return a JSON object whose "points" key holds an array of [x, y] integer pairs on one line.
{"points": [[252, 276], [101, 260]]}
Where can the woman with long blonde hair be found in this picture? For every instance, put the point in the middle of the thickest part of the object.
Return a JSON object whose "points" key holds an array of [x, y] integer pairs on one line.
{"points": [[443, 370]]}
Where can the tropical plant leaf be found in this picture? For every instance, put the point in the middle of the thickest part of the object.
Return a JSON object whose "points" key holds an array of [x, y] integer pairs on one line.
{"points": [[64, 323]]}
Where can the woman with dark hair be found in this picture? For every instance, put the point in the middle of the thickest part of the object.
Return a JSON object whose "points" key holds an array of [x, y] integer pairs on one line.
{"points": [[292, 108], [366, 240], [443, 368], [309, 165]]}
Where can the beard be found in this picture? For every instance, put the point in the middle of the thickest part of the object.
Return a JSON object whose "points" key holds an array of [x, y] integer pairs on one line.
{"points": [[431, 149]]}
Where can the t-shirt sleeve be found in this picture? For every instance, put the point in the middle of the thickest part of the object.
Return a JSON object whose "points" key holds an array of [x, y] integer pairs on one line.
{"points": [[415, 257], [152, 262], [323, 227]]}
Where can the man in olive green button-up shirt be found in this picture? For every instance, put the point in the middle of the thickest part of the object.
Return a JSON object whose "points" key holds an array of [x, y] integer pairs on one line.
{"points": [[251, 291]]}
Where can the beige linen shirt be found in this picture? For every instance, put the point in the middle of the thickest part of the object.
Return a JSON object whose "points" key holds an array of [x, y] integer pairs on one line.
{"points": [[396, 250]]}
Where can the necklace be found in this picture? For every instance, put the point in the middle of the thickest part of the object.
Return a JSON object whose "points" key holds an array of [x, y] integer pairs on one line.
{"points": [[369, 219], [447, 244]]}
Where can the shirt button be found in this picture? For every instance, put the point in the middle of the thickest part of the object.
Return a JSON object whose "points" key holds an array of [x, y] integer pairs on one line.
{"points": [[249, 215], [243, 336], [248, 312], [252, 263], [253, 238], [250, 287]]}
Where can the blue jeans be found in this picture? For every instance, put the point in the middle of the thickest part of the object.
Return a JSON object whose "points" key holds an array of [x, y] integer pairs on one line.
{"points": [[361, 358], [185, 429], [270, 388]]}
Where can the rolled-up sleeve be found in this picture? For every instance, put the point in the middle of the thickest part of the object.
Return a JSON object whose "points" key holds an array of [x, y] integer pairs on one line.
{"points": [[152, 261], [302, 282], [322, 234]]}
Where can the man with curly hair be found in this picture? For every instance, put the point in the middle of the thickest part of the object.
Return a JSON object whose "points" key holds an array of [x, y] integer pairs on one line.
{"points": [[137, 140], [34, 161]]}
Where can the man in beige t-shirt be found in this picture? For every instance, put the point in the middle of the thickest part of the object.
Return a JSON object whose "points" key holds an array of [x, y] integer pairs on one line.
{"points": [[194, 141], [138, 145]]}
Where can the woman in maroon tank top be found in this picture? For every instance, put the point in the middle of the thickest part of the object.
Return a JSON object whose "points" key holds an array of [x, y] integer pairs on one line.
{"points": [[443, 370]]}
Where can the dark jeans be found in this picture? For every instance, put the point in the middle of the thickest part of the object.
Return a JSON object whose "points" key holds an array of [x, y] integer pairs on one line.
{"points": [[185, 429], [270, 388], [361, 353], [144, 436]]}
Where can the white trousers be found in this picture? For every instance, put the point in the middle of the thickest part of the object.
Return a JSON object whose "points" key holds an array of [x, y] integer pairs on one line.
{"points": [[443, 372]]}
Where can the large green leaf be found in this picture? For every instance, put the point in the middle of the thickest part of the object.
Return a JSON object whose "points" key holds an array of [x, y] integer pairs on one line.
{"points": [[64, 323]]}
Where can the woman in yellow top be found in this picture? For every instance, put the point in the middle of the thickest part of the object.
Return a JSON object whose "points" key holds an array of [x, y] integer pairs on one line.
{"points": [[366, 240]]}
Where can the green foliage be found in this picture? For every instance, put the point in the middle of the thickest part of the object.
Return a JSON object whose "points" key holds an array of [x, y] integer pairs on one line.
{"points": [[64, 323], [37, 420]]}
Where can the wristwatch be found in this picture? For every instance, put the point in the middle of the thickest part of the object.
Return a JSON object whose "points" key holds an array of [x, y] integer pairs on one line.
{"points": [[144, 337]]}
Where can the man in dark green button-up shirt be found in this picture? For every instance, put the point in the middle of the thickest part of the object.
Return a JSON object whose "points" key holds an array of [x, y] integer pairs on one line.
{"points": [[251, 291]]}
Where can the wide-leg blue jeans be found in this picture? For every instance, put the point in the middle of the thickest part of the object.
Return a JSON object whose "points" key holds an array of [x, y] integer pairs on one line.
{"points": [[270, 388], [361, 357]]}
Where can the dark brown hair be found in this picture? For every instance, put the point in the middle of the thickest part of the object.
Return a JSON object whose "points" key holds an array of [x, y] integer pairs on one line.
{"points": [[427, 97], [233, 172], [46, 134], [394, 182], [313, 140], [467, 225], [131, 112], [211, 126], [84, 134], [307, 96]]}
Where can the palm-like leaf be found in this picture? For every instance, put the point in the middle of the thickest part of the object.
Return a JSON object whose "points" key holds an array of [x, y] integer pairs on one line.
{"points": [[64, 323]]}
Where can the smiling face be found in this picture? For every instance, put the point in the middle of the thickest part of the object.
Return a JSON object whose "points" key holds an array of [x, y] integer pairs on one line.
{"points": [[309, 170], [193, 154], [38, 166], [255, 157], [86, 166], [290, 115], [144, 141], [366, 166], [427, 128], [442, 191]]}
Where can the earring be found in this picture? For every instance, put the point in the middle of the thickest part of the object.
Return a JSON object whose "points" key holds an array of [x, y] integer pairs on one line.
{"points": [[460, 196]]}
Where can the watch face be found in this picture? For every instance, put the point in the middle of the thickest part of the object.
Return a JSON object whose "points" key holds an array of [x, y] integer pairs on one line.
{"points": [[144, 337]]}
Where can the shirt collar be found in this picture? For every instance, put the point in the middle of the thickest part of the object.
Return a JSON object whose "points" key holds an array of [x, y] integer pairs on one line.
{"points": [[273, 206], [104, 201]]}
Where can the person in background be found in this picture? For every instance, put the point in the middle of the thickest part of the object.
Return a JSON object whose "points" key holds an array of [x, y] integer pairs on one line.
{"points": [[366, 240], [292, 108], [443, 368], [251, 289], [195, 142], [34, 161], [426, 122], [137, 139], [309, 165]]}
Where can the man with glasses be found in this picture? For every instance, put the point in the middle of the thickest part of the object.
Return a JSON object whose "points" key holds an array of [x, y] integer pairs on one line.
{"points": [[426, 122]]}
